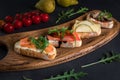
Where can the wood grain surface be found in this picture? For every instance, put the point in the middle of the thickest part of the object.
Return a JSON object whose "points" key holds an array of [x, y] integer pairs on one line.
{"points": [[15, 62]]}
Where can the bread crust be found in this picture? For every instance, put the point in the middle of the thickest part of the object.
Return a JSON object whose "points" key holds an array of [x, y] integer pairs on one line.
{"points": [[35, 54], [106, 24], [88, 34]]}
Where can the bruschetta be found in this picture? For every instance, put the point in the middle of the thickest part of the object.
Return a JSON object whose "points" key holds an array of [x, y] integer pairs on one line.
{"points": [[87, 29], [64, 38], [102, 17], [37, 47]]}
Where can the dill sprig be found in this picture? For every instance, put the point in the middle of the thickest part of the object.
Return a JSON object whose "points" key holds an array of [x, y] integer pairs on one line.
{"points": [[68, 76], [40, 43], [107, 58], [69, 13]]}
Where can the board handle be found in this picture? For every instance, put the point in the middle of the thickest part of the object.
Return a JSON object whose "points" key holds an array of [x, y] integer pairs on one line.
{"points": [[6, 41], [11, 61]]}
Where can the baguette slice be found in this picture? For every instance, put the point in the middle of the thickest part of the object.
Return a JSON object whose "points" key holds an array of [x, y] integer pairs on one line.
{"points": [[68, 41], [53, 40], [36, 53], [87, 29], [104, 24], [71, 41], [71, 44]]}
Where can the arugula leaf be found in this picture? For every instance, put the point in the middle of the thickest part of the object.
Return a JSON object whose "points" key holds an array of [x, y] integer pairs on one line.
{"points": [[81, 10], [107, 58], [55, 30], [63, 14], [69, 13], [63, 31], [104, 15], [68, 76]]}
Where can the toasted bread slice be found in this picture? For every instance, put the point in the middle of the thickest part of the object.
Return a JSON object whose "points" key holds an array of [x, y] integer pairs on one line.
{"points": [[104, 24], [69, 40], [87, 29], [36, 53], [71, 44]]}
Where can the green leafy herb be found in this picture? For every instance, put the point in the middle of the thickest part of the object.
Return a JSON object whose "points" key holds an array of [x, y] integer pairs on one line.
{"points": [[63, 14], [54, 31], [107, 58], [40, 43], [69, 13], [68, 76], [81, 10], [104, 15], [63, 31], [60, 32], [25, 78]]}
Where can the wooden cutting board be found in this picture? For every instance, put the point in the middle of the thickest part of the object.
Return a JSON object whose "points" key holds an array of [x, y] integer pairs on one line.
{"points": [[15, 62]]}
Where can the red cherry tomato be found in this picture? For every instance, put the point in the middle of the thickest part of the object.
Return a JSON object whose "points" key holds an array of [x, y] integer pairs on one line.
{"points": [[9, 19], [44, 17], [35, 12], [18, 24], [27, 15], [27, 22], [18, 16], [36, 19], [8, 28]]}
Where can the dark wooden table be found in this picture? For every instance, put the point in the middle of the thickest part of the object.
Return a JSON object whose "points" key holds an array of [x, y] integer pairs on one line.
{"points": [[97, 72]]}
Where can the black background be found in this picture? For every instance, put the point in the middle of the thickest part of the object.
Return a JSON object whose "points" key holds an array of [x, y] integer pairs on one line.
{"points": [[97, 72]]}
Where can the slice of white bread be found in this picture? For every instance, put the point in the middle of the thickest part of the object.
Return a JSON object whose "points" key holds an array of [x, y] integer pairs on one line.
{"points": [[104, 24], [87, 29], [36, 53], [71, 44], [68, 41]]}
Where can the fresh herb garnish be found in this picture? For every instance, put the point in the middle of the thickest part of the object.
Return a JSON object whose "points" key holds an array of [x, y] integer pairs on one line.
{"points": [[107, 58], [60, 32], [69, 13], [68, 76], [64, 14], [63, 31], [81, 10], [40, 43], [55, 30], [104, 15]]}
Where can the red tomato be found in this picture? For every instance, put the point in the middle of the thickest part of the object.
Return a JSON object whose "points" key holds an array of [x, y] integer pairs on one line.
{"points": [[27, 22], [8, 28], [36, 19], [9, 19], [18, 24], [18, 16], [44, 17], [35, 12]]}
